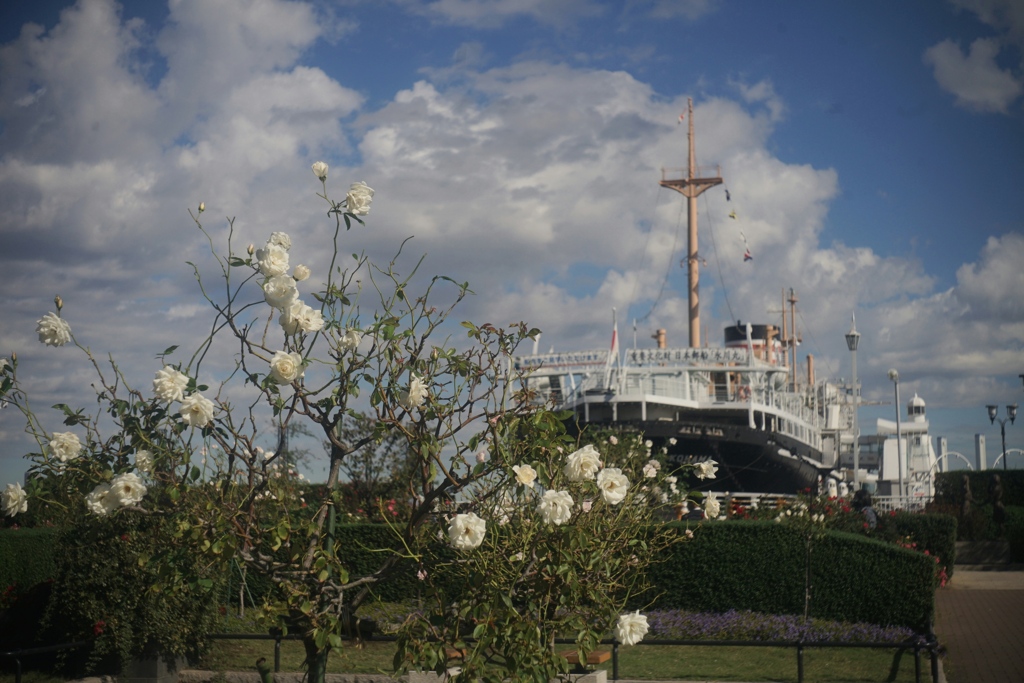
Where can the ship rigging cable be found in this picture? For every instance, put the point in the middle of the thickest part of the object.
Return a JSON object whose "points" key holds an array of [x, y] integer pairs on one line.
{"points": [[668, 268], [718, 261]]}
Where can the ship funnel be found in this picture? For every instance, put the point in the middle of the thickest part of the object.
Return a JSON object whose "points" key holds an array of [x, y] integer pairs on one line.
{"points": [[660, 337]]}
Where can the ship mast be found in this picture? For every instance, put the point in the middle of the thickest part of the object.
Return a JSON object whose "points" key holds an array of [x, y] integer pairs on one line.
{"points": [[691, 187]]}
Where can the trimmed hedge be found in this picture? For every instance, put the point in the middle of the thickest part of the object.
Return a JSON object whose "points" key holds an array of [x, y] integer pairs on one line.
{"points": [[26, 557], [936, 533], [949, 486], [733, 565], [759, 566]]}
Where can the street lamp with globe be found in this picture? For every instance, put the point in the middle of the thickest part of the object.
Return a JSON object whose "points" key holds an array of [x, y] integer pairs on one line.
{"points": [[1011, 415]]}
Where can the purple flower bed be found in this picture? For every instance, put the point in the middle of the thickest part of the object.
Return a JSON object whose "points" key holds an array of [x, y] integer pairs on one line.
{"points": [[745, 625]]}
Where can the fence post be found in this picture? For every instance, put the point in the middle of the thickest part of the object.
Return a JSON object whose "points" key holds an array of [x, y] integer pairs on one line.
{"points": [[933, 651], [799, 663], [615, 660], [277, 633]]}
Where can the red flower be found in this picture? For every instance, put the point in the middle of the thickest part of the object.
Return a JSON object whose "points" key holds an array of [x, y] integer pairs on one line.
{"points": [[124, 537], [98, 627], [865, 525]]}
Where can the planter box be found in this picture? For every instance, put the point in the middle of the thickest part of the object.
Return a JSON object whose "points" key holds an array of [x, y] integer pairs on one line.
{"points": [[151, 670]]}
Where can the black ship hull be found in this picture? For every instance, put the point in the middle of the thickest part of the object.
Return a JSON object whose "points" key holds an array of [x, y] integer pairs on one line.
{"points": [[749, 460]]}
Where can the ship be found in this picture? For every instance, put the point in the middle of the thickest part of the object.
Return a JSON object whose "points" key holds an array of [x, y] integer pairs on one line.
{"points": [[744, 405]]}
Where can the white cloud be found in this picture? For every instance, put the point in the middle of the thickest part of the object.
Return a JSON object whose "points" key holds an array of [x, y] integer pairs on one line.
{"points": [[976, 80], [1006, 16], [493, 13], [670, 9], [992, 290]]}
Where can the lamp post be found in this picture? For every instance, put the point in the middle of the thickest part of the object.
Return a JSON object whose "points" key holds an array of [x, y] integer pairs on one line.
{"points": [[852, 339], [895, 377], [1011, 415]]}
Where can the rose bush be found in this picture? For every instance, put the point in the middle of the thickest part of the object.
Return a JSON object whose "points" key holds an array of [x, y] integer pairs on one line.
{"points": [[563, 537], [190, 456]]}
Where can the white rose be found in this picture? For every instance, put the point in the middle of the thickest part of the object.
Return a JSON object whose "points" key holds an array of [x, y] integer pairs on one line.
{"points": [[416, 394], [65, 446], [143, 461], [706, 469], [273, 260], [197, 410], [672, 441], [285, 367], [613, 440], [320, 170], [358, 200], [53, 331], [613, 484], [300, 317], [651, 469], [280, 291], [466, 531], [525, 475], [101, 501], [350, 340], [169, 384], [631, 628], [711, 506], [127, 488], [555, 507], [301, 273], [583, 464], [14, 500], [281, 239]]}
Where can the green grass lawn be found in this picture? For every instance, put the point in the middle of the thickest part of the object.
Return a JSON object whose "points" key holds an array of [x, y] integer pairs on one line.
{"points": [[669, 662]]}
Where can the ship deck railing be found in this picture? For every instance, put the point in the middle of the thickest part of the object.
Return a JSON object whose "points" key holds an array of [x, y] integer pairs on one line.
{"points": [[795, 415], [912, 503]]}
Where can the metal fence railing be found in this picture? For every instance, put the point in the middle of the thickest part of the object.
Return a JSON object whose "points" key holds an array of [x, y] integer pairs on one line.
{"points": [[919, 645], [18, 655]]}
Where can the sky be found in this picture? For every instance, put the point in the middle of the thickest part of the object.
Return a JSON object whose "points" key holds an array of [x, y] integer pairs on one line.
{"points": [[873, 153]]}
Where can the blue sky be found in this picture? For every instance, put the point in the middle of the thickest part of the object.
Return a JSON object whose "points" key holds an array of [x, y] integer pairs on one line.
{"points": [[874, 153]]}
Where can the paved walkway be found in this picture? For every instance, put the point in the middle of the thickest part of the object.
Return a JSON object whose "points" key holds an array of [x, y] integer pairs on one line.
{"points": [[979, 618]]}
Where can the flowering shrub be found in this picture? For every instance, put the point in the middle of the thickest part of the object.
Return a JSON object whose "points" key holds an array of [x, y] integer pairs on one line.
{"points": [[747, 625], [184, 445], [557, 547]]}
